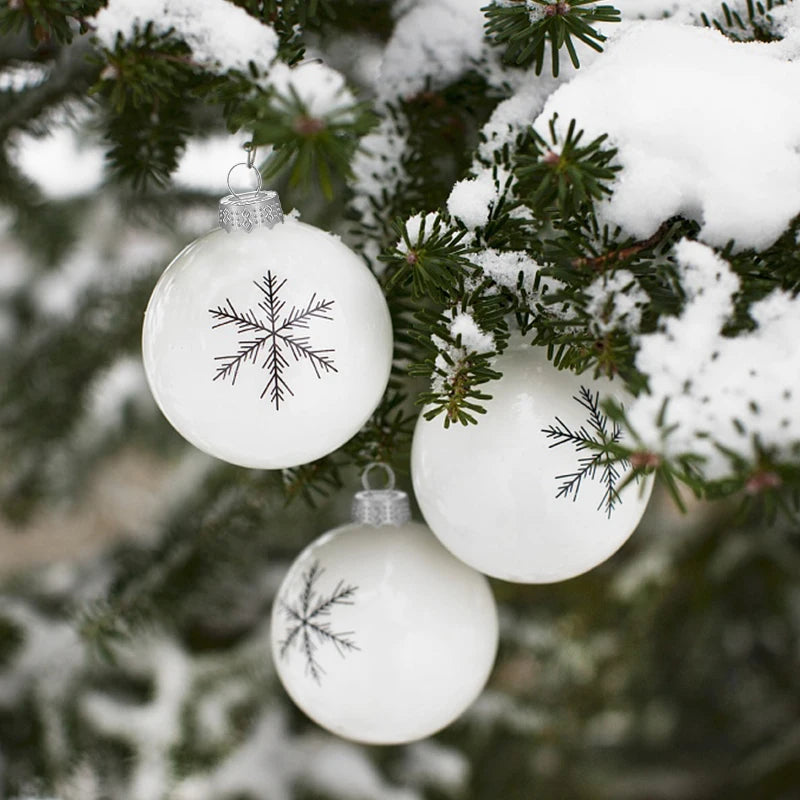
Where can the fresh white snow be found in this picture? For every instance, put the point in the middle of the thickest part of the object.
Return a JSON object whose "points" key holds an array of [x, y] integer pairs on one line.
{"points": [[706, 127], [433, 43], [472, 199], [720, 390], [221, 35]]}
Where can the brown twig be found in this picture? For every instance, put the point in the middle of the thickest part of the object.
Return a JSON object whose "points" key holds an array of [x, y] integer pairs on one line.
{"points": [[599, 263]]}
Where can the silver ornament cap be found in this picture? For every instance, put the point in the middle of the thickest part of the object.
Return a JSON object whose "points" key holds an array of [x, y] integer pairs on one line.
{"points": [[379, 507], [244, 211]]}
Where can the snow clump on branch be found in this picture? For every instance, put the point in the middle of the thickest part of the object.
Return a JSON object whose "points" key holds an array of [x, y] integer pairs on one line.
{"points": [[705, 127], [473, 199], [322, 90], [219, 34], [718, 391], [432, 44]]}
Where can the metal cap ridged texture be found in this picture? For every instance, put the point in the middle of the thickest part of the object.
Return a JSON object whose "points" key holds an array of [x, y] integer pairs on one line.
{"points": [[249, 210], [381, 507]]}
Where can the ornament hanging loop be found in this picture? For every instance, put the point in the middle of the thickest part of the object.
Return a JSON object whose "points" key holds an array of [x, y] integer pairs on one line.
{"points": [[242, 197], [390, 481], [388, 506]]}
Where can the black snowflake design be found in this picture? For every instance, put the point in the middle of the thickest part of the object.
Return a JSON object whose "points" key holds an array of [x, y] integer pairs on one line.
{"points": [[597, 439], [307, 621], [275, 336]]}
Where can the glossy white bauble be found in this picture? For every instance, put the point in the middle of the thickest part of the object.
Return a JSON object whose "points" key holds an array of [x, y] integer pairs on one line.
{"points": [[380, 635], [505, 495], [267, 349]]}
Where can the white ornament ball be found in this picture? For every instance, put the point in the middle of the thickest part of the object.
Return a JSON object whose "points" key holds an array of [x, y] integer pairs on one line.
{"points": [[380, 635], [268, 348], [520, 496]]}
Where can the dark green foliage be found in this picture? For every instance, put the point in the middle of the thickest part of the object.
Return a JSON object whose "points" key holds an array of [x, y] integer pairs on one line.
{"points": [[577, 254], [431, 262], [385, 438], [146, 81], [21, 733], [44, 20], [200, 581], [457, 371], [11, 638], [525, 33], [289, 18], [37, 413], [312, 482], [755, 25], [443, 127], [46, 227], [146, 71], [311, 148], [775, 267], [460, 399], [564, 175]]}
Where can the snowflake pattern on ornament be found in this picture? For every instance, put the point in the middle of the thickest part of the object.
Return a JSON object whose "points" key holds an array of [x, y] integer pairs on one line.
{"points": [[598, 439], [273, 335], [307, 621]]}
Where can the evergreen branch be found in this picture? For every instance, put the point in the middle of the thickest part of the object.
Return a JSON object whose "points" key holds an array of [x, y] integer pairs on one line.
{"points": [[430, 261], [48, 20], [314, 149], [565, 176], [758, 25], [71, 76], [455, 393], [386, 436], [614, 257], [320, 478], [525, 30]]}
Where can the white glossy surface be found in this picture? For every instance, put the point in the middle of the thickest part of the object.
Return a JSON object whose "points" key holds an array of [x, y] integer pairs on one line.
{"points": [[234, 422], [424, 623], [488, 491]]}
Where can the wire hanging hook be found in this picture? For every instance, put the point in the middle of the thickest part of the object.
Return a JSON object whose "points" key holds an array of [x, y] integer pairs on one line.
{"points": [[249, 164], [251, 154], [377, 465]]}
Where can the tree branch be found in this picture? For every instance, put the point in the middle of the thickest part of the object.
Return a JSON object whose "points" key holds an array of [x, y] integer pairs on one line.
{"points": [[599, 263], [72, 75]]}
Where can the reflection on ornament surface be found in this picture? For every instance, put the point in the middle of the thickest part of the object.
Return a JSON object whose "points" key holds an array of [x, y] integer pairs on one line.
{"points": [[268, 348], [531, 493]]}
